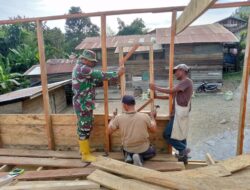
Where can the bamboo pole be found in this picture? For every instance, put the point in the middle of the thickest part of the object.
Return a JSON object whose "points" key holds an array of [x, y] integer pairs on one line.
{"points": [[46, 105], [171, 65], [105, 83], [151, 74], [244, 92], [120, 12]]}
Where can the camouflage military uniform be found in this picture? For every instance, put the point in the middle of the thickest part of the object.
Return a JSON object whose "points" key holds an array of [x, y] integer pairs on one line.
{"points": [[84, 79]]}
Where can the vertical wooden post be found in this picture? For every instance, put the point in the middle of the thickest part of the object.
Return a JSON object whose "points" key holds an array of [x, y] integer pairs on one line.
{"points": [[244, 91], [171, 64], [46, 105], [105, 83], [151, 74], [122, 78], [171, 59]]}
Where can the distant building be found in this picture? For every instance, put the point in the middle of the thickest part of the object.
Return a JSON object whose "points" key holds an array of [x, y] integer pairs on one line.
{"points": [[29, 100], [57, 70], [200, 47], [234, 24]]}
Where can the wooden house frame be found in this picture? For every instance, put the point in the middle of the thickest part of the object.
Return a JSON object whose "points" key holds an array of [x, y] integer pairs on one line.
{"points": [[191, 12]]}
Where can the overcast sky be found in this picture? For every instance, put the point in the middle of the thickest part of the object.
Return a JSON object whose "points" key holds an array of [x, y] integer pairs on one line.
{"points": [[35, 8]]}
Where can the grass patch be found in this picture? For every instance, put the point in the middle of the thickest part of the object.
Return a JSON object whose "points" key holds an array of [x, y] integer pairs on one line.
{"points": [[236, 76]]}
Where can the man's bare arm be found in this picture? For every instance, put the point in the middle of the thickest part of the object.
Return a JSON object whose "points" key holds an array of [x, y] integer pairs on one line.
{"points": [[153, 127], [163, 90]]}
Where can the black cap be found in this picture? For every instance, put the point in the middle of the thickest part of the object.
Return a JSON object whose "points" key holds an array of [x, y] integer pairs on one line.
{"points": [[128, 100]]}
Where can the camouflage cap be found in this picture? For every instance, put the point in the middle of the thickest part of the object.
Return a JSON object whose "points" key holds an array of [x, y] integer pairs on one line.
{"points": [[89, 55]]}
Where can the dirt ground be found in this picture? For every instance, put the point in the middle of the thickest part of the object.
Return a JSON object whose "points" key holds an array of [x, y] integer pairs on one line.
{"points": [[214, 122]]}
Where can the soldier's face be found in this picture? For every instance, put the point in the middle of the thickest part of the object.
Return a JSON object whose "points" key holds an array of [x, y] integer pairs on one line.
{"points": [[89, 63]]}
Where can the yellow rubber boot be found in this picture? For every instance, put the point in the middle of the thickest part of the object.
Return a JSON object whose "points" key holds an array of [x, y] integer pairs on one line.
{"points": [[85, 150]]}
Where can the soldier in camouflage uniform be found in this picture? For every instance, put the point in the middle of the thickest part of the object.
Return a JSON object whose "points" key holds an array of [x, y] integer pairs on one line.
{"points": [[84, 80]]}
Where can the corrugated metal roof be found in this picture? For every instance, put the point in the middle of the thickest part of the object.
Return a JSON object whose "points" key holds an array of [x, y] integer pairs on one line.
{"points": [[210, 33], [29, 93], [113, 41], [53, 66]]}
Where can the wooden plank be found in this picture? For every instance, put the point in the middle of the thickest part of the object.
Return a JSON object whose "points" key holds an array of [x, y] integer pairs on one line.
{"points": [[244, 92], [46, 106], [140, 173], [54, 174], [73, 154], [114, 182], [5, 168], [194, 9], [164, 166], [122, 77], [144, 105], [209, 159], [120, 12], [53, 185], [65, 163], [130, 53], [151, 74], [39, 153], [105, 83], [171, 66], [237, 163]]}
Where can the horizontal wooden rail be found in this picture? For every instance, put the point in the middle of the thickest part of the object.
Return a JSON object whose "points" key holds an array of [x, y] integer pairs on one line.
{"points": [[120, 12]]}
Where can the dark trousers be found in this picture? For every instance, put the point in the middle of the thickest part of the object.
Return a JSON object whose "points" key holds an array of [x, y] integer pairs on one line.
{"points": [[148, 154], [177, 144]]}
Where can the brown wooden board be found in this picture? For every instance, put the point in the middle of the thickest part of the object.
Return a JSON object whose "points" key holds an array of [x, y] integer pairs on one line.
{"points": [[119, 12], [114, 182], [194, 9], [244, 92], [54, 174], [27, 131], [53, 185], [60, 163], [74, 154]]}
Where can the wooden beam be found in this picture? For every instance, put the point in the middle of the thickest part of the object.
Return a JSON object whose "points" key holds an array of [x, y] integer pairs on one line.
{"points": [[46, 105], [53, 185], [122, 77], [171, 65], [105, 83], [54, 174], [244, 92], [111, 181], [144, 105], [151, 75], [129, 54], [60, 163], [209, 159], [194, 9], [120, 12]]}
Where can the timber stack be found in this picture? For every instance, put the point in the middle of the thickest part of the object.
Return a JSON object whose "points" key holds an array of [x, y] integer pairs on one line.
{"points": [[46, 169]]}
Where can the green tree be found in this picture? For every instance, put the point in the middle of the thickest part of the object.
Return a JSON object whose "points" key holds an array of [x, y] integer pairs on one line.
{"points": [[136, 27], [78, 28], [243, 13], [22, 58], [10, 81], [54, 41]]}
